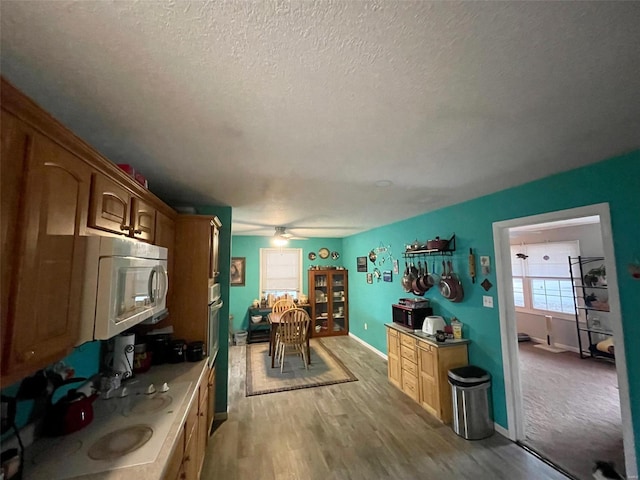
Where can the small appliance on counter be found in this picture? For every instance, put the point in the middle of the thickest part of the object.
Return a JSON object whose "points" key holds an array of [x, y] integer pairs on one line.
{"points": [[195, 351], [432, 324], [177, 350], [410, 313]]}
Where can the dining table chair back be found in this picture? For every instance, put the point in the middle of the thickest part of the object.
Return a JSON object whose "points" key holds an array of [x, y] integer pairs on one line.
{"points": [[293, 329], [282, 305]]}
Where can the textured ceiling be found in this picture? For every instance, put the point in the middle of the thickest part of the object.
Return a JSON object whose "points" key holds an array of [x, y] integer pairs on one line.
{"points": [[290, 112]]}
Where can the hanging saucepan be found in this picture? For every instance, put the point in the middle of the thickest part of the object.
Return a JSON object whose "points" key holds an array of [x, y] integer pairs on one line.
{"points": [[415, 284], [432, 278], [423, 279], [406, 279], [459, 290], [447, 283]]}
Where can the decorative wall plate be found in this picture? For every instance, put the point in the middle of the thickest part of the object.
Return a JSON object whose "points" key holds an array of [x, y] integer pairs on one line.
{"points": [[335, 255], [324, 253], [312, 256]]}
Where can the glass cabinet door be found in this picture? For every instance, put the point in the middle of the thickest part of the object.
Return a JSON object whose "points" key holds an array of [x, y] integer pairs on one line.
{"points": [[338, 298], [321, 320]]}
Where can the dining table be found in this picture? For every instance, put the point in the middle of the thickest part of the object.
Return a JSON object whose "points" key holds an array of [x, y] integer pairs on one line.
{"points": [[274, 321]]}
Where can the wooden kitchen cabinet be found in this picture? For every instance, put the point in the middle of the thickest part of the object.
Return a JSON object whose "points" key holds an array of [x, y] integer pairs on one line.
{"points": [[393, 357], [43, 248], [193, 267], [434, 364], [329, 301], [114, 209], [419, 368], [211, 397], [203, 432]]}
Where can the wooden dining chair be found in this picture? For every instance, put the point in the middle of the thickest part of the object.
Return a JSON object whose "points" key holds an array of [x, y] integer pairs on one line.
{"points": [[293, 329], [276, 311]]}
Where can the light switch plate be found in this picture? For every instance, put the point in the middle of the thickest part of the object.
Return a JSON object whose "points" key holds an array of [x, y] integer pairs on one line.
{"points": [[487, 301]]}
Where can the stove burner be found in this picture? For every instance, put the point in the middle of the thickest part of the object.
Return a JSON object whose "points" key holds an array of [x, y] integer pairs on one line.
{"points": [[60, 448], [120, 442], [150, 404]]}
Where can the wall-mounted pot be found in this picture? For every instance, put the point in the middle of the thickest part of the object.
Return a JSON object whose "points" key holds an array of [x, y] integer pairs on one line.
{"points": [[437, 244]]}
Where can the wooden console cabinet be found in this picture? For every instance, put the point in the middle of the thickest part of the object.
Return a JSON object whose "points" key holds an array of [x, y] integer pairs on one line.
{"points": [[419, 368]]}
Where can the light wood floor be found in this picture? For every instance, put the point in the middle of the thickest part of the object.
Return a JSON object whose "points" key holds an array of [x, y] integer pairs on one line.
{"points": [[360, 430]]}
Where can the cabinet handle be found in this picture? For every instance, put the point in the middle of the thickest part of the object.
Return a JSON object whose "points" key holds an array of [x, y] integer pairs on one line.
{"points": [[28, 355], [125, 227], [183, 475], [137, 232], [187, 459]]}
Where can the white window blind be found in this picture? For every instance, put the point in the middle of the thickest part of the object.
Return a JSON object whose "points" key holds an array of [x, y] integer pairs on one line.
{"points": [[281, 270], [549, 260]]}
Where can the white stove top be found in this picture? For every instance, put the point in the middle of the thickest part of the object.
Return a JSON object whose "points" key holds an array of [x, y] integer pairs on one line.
{"points": [[140, 419]]}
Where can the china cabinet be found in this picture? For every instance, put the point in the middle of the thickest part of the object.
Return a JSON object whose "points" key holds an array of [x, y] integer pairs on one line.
{"points": [[329, 302]]}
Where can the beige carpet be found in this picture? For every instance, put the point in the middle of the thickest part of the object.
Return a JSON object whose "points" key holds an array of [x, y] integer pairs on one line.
{"points": [[572, 409], [325, 369]]}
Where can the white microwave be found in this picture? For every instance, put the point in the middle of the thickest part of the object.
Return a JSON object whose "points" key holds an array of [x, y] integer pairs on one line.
{"points": [[125, 283]]}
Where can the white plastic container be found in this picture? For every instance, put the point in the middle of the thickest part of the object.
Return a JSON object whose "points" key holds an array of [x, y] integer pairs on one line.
{"points": [[240, 337]]}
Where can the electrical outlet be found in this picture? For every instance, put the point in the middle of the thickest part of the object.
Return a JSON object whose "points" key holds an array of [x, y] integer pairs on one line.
{"points": [[487, 301], [365, 325]]}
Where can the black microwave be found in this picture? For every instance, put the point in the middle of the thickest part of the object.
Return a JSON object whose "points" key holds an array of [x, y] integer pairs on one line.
{"points": [[409, 317]]}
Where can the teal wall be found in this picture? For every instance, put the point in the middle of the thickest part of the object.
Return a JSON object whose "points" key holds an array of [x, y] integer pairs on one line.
{"points": [[249, 247], [222, 362], [616, 181]]}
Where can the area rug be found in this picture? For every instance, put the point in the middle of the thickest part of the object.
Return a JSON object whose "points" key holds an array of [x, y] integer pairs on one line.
{"points": [[325, 369]]}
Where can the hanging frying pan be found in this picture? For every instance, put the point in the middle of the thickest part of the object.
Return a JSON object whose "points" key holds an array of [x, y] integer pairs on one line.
{"points": [[432, 278], [406, 279], [447, 284], [459, 290]]}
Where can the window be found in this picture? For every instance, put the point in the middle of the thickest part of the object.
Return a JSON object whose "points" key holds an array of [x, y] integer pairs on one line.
{"points": [[541, 281], [281, 271]]}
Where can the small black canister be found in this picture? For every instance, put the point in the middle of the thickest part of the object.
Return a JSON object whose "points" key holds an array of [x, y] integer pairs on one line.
{"points": [[176, 351], [159, 346], [195, 351]]}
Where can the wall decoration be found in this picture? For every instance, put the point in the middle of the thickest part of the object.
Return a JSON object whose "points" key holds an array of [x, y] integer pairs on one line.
{"points": [[335, 255], [362, 264], [237, 272], [373, 256], [377, 274], [387, 276], [323, 253], [312, 256], [369, 277], [396, 268], [486, 284], [485, 263]]}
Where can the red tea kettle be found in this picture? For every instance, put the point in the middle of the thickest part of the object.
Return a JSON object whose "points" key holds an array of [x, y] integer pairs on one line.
{"points": [[71, 413]]}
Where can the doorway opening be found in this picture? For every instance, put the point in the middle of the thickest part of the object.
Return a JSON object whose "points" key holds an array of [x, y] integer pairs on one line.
{"points": [[554, 398]]}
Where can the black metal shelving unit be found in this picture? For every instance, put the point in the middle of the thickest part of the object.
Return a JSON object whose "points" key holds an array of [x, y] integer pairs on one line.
{"points": [[581, 294]]}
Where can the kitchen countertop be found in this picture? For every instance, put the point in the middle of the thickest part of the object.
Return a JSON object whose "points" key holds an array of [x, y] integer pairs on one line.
{"points": [[190, 372], [418, 334]]}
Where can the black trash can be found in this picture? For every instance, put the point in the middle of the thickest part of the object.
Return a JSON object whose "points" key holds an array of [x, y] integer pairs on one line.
{"points": [[471, 402]]}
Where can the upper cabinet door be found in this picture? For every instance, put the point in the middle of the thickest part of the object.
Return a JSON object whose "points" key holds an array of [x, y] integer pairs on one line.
{"points": [[110, 206], [46, 290], [143, 220]]}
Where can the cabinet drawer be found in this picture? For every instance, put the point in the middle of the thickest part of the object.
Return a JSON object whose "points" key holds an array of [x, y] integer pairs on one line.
{"points": [[408, 353], [410, 386], [410, 367], [192, 418], [407, 341], [425, 346], [392, 332]]}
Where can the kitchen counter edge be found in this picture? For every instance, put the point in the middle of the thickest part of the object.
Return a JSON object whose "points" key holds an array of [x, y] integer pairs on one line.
{"points": [[418, 335]]}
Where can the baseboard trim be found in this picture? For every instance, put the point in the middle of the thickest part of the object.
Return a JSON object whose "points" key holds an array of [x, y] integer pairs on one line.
{"points": [[559, 345], [501, 430], [374, 350]]}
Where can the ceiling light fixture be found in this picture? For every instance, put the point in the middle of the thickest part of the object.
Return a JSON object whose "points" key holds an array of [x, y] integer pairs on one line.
{"points": [[384, 183], [279, 238]]}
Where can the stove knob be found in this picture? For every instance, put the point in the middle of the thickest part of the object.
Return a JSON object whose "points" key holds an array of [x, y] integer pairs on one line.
{"points": [[124, 392], [165, 387], [151, 389]]}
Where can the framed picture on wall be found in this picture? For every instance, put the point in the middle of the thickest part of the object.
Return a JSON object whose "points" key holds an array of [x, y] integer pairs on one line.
{"points": [[362, 264], [237, 274]]}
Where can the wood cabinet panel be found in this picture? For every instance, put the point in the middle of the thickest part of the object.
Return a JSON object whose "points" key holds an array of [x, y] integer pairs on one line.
{"points": [[110, 205], [143, 220], [44, 304], [393, 357], [202, 425], [211, 398], [174, 465], [410, 386], [190, 461]]}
